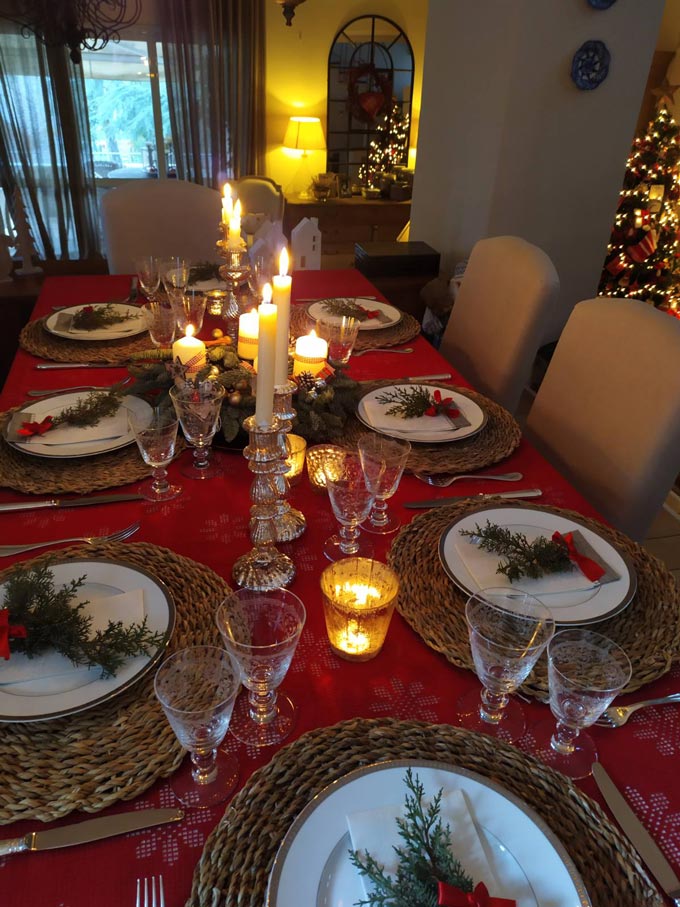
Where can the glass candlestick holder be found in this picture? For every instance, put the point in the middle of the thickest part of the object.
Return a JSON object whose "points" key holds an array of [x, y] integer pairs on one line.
{"points": [[264, 567], [290, 523]]}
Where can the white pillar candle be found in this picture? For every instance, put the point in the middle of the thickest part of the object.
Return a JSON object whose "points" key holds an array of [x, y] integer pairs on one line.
{"points": [[227, 205], [190, 351], [234, 240], [281, 298], [248, 325], [266, 354], [310, 354]]}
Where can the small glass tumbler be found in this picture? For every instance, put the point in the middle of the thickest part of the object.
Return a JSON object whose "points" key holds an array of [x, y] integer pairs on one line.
{"points": [[189, 307], [341, 335], [359, 595], [160, 322]]}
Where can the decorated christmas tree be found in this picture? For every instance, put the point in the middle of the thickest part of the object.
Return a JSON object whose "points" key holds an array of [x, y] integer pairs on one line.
{"points": [[642, 256], [388, 148]]}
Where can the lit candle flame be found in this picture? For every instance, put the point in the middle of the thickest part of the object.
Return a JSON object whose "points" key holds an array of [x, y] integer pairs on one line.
{"points": [[267, 293], [283, 262], [189, 331]]}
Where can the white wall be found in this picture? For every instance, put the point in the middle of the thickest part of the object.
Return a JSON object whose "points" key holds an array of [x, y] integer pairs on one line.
{"points": [[508, 144]]}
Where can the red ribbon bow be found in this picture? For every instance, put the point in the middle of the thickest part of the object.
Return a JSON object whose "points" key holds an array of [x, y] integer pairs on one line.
{"points": [[442, 405], [450, 896], [370, 313], [588, 567], [9, 631], [36, 428]]}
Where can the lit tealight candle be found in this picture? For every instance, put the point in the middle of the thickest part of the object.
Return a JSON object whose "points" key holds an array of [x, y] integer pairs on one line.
{"points": [[227, 204], [266, 354], [189, 351], [281, 298], [248, 329], [310, 354]]}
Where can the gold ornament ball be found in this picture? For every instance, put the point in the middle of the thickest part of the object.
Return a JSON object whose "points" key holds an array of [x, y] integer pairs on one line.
{"points": [[235, 398], [217, 333]]}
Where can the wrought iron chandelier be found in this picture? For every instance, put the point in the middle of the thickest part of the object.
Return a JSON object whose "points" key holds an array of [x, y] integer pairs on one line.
{"points": [[73, 23], [289, 9]]}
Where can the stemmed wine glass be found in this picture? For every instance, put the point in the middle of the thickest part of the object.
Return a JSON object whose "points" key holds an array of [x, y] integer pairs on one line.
{"points": [[156, 436], [383, 460], [261, 630], [351, 500], [175, 273], [160, 321], [189, 308], [148, 269], [586, 671], [197, 688], [508, 630], [198, 410]]}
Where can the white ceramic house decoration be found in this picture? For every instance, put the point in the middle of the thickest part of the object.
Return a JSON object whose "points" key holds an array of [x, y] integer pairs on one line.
{"points": [[305, 240]]}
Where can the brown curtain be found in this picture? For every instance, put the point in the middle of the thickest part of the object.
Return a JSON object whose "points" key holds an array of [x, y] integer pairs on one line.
{"points": [[213, 53]]}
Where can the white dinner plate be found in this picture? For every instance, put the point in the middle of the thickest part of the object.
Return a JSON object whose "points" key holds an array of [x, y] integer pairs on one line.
{"points": [[136, 325], [571, 602], [39, 409], [312, 866], [474, 414], [81, 689], [391, 315]]}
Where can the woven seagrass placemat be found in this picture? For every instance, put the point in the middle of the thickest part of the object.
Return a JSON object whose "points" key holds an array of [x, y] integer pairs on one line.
{"points": [[648, 629], [238, 855], [496, 441], [36, 340], [76, 475], [118, 750], [406, 329]]}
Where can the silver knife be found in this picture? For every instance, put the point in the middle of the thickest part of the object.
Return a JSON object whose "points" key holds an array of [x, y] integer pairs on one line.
{"points": [[51, 365], [58, 503], [637, 834], [90, 830], [444, 502], [442, 377]]}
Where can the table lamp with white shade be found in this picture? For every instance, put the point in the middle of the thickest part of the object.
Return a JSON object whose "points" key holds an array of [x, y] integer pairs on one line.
{"points": [[304, 134]]}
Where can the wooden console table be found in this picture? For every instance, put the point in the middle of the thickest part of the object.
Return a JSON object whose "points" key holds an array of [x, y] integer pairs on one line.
{"points": [[346, 221]]}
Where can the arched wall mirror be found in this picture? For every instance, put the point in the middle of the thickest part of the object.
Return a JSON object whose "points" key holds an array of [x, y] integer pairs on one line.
{"points": [[370, 87]]}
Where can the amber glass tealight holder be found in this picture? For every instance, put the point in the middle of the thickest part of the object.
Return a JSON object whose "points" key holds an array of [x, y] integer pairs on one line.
{"points": [[295, 460], [359, 595], [317, 456]]}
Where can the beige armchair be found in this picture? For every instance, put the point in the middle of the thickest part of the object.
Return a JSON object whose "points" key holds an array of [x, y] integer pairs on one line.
{"points": [[607, 413]]}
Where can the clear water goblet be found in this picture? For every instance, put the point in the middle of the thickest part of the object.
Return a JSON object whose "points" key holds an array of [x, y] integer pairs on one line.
{"points": [[197, 688], [175, 273], [156, 437], [261, 630], [341, 335], [383, 460], [509, 630], [351, 501], [160, 322], [148, 270], [261, 271], [198, 410], [189, 308], [586, 671]]}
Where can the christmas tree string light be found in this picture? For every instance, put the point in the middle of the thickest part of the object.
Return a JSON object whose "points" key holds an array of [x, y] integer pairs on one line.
{"points": [[388, 149], [643, 256]]}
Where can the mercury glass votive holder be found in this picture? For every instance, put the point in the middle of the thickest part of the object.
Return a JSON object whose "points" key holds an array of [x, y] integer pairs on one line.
{"points": [[297, 448], [216, 300], [317, 456], [359, 595]]}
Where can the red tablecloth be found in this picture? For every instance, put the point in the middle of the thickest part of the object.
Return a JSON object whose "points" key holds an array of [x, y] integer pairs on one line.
{"points": [[208, 523]]}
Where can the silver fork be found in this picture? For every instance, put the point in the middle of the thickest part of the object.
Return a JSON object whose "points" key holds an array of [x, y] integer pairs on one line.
{"points": [[8, 550], [80, 387], [618, 715], [443, 481], [382, 349], [149, 899]]}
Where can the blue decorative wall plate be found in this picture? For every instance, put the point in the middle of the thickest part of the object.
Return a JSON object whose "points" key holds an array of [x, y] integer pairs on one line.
{"points": [[590, 65]]}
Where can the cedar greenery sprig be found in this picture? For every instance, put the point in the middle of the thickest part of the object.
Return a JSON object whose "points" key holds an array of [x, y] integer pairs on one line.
{"points": [[345, 307], [52, 621], [522, 558], [425, 859], [409, 402], [92, 317], [89, 410]]}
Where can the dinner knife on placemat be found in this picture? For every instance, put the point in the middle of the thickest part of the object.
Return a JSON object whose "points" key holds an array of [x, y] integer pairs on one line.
{"points": [[51, 365], [58, 503], [90, 830], [444, 502], [637, 834]]}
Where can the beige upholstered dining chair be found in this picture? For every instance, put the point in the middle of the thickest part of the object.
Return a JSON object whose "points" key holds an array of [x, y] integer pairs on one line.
{"points": [[260, 195], [607, 413], [160, 217], [500, 315]]}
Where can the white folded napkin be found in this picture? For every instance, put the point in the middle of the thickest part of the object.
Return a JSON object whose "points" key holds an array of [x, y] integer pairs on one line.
{"points": [[375, 831], [126, 607], [107, 429], [483, 565], [376, 415]]}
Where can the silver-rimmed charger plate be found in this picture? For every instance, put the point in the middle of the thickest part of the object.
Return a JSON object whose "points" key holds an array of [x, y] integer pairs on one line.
{"points": [[39, 409], [312, 865], [391, 315], [119, 331], [80, 689], [586, 603], [475, 415]]}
